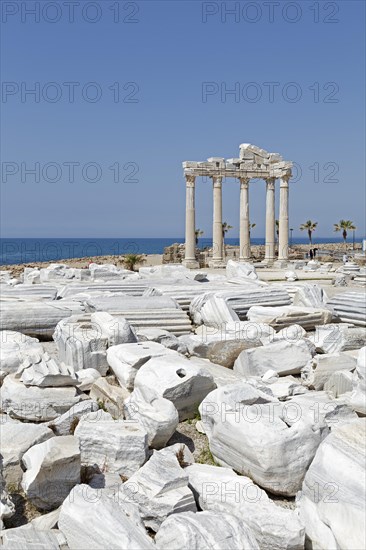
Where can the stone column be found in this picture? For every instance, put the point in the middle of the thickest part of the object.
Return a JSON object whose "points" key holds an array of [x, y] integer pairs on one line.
{"points": [[190, 246], [244, 241], [270, 221], [283, 220], [217, 255]]}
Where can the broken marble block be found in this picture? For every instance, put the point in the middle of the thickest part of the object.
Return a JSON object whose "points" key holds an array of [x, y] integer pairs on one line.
{"points": [[221, 490], [238, 418], [112, 445], [89, 518], [107, 272], [110, 396], [160, 488], [211, 310], [45, 372], [156, 415], [310, 295], [164, 337], [332, 503], [291, 334], [350, 307], [52, 470], [38, 319], [242, 270], [318, 371], [28, 537], [14, 348], [126, 359], [66, 423], [209, 530], [16, 439], [336, 337], [283, 316], [358, 396], [283, 357], [184, 382], [339, 382], [36, 404], [86, 378], [83, 341]]}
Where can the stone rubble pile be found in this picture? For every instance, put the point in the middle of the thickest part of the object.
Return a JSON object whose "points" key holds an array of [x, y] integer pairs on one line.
{"points": [[168, 409]]}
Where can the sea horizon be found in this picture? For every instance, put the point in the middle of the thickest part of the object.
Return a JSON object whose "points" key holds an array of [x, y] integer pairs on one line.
{"points": [[15, 250]]}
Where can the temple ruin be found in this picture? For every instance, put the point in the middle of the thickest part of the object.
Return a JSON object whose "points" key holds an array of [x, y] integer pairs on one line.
{"points": [[253, 162]]}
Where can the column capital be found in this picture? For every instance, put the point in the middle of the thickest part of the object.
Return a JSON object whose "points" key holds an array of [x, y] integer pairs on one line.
{"points": [[244, 182], [190, 180], [284, 180], [217, 181], [270, 183]]}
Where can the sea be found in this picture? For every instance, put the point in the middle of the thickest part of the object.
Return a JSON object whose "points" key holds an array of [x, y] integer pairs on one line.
{"points": [[27, 250]]}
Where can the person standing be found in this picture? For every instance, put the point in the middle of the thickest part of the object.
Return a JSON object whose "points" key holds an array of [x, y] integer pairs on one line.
{"points": [[311, 254]]}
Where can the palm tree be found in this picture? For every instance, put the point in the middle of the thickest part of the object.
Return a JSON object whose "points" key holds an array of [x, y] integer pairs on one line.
{"points": [[277, 223], [344, 226], [198, 233], [131, 260], [310, 227], [225, 228], [251, 226]]}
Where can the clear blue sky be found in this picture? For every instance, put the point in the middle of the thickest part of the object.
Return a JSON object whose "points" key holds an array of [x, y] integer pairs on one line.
{"points": [[172, 49]]}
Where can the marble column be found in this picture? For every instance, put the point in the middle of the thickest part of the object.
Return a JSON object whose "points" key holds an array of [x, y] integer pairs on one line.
{"points": [[283, 220], [244, 232], [217, 254], [190, 246], [270, 221]]}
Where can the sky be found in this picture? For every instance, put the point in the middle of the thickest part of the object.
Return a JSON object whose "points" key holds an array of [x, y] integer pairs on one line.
{"points": [[124, 92]]}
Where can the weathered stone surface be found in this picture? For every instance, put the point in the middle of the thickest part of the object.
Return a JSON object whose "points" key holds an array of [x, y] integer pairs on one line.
{"points": [[26, 537], [112, 445], [156, 415], [310, 295], [38, 319], [336, 337], [223, 491], [111, 396], [91, 519], [86, 378], [15, 347], [291, 334], [284, 386], [339, 383], [358, 396], [26, 292], [318, 371], [238, 418], [126, 359], [144, 311], [67, 422], [209, 530], [160, 488], [242, 270], [163, 337], [282, 357], [52, 470], [99, 272], [350, 307], [280, 317], [82, 341], [45, 372], [220, 307], [332, 504], [16, 439], [184, 382], [36, 404]]}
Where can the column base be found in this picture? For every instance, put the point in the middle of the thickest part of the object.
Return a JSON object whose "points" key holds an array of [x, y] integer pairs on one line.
{"points": [[191, 264], [268, 261], [216, 263], [281, 263]]}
